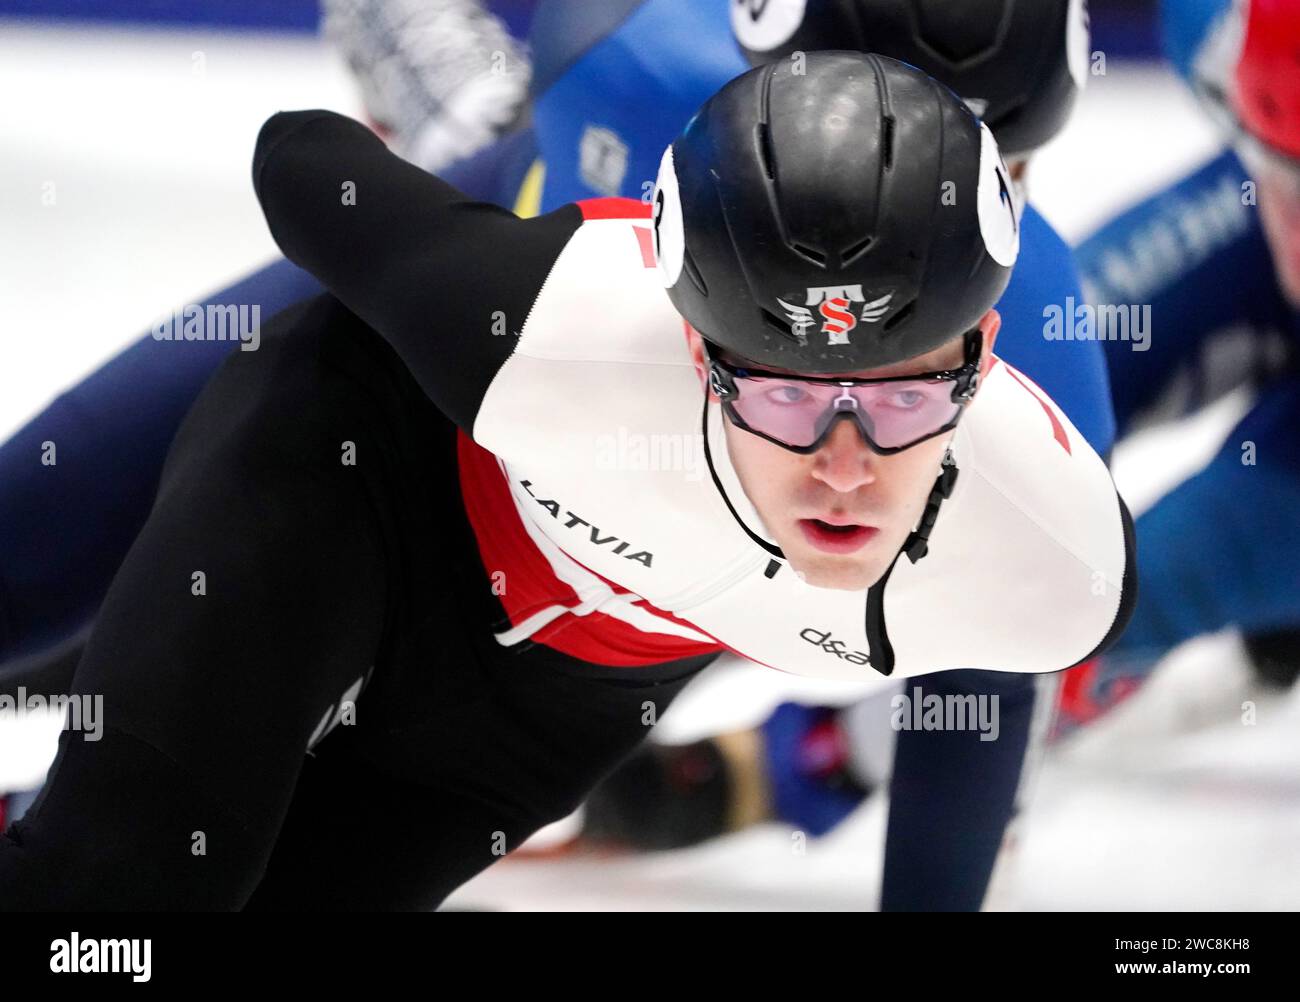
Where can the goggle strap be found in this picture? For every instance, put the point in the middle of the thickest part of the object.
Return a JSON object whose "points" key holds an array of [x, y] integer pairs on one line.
{"points": [[918, 543]]}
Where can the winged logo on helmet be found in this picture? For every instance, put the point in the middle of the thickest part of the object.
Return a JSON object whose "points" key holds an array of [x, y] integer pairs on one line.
{"points": [[837, 306], [873, 311], [800, 318]]}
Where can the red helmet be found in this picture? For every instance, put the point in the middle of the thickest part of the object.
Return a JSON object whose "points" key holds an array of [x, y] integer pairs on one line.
{"points": [[1267, 92]]}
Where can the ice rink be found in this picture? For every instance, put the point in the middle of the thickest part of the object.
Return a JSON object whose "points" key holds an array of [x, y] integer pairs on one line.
{"points": [[124, 191]]}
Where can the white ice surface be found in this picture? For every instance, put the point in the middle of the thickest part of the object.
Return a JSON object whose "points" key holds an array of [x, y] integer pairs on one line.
{"points": [[1170, 803]]}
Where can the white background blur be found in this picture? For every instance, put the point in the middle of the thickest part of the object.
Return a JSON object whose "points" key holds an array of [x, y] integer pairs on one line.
{"points": [[147, 137]]}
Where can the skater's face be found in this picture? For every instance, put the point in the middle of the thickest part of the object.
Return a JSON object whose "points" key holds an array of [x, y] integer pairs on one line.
{"points": [[842, 513]]}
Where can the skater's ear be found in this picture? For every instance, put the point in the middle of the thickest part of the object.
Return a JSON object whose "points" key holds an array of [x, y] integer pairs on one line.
{"points": [[990, 324], [695, 344]]}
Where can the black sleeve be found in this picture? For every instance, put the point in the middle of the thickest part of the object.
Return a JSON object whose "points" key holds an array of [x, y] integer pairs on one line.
{"points": [[209, 700], [448, 281]]}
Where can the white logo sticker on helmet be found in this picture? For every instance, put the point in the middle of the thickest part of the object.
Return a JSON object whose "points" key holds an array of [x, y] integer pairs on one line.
{"points": [[800, 318], [838, 307], [999, 218], [762, 25], [669, 235], [1078, 41]]}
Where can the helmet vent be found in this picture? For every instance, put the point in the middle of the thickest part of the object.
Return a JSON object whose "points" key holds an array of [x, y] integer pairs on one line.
{"points": [[775, 322], [887, 142], [811, 253], [852, 252], [765, 151], [900, 316]]}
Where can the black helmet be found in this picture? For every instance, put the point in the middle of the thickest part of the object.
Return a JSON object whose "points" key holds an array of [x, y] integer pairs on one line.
{"points": [[1020, 64], [845, 217]]}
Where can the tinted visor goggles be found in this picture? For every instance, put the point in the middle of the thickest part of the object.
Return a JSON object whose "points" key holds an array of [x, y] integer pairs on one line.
{"points": [[892, 413]]}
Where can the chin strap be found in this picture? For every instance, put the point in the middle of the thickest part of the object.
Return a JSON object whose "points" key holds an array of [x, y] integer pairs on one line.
{"points": [[918, 543]]}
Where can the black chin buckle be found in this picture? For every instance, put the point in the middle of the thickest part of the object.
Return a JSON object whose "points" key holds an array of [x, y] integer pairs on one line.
{"points": [[918, 543]]}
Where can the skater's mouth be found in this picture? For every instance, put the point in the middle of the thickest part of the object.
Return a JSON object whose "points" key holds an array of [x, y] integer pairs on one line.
{"points": [[836, 536]]}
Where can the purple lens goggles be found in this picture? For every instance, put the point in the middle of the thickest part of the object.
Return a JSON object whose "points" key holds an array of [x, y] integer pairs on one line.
{"points": [[892, 413]]}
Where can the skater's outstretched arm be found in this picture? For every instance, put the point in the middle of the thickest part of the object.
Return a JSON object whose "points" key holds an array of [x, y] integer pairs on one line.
{"points": [[953, 794], [445, 279]]}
